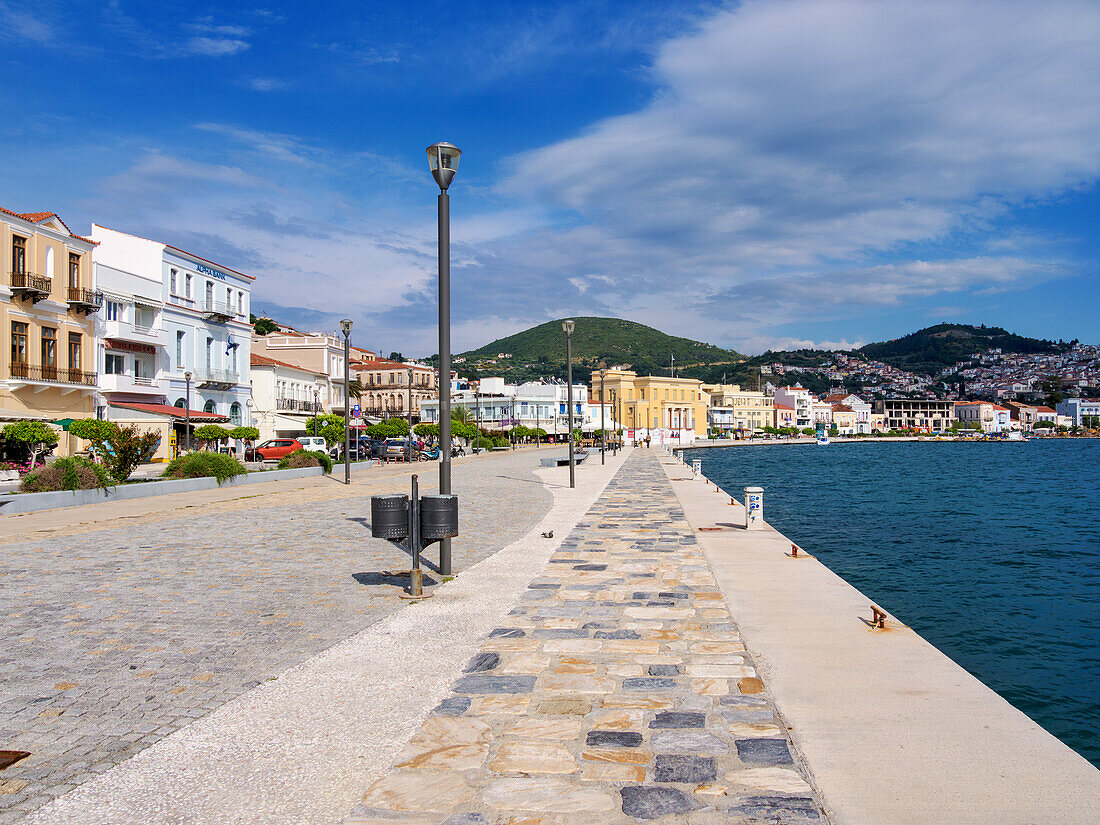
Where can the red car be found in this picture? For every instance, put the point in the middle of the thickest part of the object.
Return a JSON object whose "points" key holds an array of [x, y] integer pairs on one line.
{"points": [[272, 450]]}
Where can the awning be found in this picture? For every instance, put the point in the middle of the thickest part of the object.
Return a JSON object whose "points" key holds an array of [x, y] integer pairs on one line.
{"points": [[21, 415], [197, 416]]}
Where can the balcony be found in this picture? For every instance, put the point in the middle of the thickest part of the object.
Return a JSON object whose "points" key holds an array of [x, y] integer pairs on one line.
{"points": [[85, 300], [218, 311], [109, 382], [294, 405], [29, 285], [39, 374], [137, 333], [216, 379]]}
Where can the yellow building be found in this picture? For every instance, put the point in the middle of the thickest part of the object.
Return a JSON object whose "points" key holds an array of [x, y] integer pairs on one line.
{"points": [[733, 409], [662, 408], [47, 369]]}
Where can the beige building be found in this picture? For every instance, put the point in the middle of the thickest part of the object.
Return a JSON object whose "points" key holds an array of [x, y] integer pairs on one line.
{"points": [[735, 409], [387, 386], [659, 407], [47, 298], [318, 353]]}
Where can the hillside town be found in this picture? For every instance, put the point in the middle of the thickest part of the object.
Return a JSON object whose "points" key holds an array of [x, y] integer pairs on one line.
{"points": [[138, 332]]}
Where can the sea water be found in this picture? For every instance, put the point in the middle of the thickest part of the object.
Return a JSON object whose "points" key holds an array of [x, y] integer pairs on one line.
{"points": [[989, 551]]}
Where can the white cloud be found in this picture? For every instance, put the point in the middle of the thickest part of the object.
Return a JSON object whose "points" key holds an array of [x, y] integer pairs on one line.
{"points": [[267, 84], [215, 46]]}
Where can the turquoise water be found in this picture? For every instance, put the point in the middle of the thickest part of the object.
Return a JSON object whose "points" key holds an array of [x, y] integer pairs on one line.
{"points": [[989, 551]]}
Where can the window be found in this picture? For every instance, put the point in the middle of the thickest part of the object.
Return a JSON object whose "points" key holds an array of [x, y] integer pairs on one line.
{"points": [[144, 317], [18, 342], [116, 365], [18, 254], [74, 270], [141, 368], [235, 414], [209, 407], [179, 349], [173, 274], [228, 298], [49, 262], [209, 352], [181, 403], [240, 303], [49, 347], [188, 286], [114, 311], [74, 350], [209, 293]]}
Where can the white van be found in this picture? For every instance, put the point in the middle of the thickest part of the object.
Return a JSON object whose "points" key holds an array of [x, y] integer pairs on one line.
{"points": [[312, 442]]}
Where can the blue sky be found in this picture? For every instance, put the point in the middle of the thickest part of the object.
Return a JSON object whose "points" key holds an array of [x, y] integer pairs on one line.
{"points": [[759, 174]]}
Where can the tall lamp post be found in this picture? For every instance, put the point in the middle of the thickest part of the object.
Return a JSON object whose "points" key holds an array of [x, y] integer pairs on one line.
{"points": [[345, 327], [316, 393], [567, 328], [603, 426], [443, 161], [187, 414], [410, 441]]}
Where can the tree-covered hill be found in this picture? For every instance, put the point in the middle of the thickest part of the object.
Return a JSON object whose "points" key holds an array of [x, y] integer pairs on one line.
{"points": [[597, 342], [931, 349]]}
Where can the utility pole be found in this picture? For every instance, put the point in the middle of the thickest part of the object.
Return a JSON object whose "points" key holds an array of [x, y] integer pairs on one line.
{"points": [[603, 426], [672, 365]]}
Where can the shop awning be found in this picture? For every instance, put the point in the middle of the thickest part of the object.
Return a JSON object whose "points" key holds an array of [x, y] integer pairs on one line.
{"points": [[179, 413]]}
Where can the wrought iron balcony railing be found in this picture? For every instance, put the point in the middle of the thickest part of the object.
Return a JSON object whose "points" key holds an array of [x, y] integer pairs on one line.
{"points": [[52, 374]]}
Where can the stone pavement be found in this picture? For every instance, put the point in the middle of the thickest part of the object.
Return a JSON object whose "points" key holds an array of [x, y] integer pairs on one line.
{"points": [[616, 691], [115, 635]]}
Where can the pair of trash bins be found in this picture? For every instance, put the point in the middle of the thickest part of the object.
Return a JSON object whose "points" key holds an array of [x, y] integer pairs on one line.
{"points": [[411, 522]]}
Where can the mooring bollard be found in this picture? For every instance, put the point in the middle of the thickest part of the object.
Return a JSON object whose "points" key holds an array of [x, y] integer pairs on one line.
{"points": [[412, 524], [754, 508], [696, 466]]}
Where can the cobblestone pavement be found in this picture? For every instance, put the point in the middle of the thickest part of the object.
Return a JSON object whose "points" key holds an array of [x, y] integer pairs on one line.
{"points": [[113, 638], [617, 691]]}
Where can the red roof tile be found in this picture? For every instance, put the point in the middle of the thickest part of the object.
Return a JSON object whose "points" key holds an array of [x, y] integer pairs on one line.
{"points": [[38, 217], [173, 412], [264, 361]]}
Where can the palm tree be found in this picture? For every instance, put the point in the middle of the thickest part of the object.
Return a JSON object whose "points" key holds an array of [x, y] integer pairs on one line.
{"points": [[463, 415], [355, 388]]}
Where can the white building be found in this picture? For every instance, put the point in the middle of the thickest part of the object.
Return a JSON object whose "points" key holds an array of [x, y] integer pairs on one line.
{"points": [[168, 314], [801, 401], [284, 397], [500, 406], [861, 410], [1077, 409]]}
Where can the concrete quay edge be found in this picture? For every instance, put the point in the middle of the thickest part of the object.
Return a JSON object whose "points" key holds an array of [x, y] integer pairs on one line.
{"points": [[891, 729]]}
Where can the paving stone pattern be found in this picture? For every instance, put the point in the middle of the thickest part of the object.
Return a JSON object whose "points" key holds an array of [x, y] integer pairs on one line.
{"points": [[618, 691], [113, 638]]}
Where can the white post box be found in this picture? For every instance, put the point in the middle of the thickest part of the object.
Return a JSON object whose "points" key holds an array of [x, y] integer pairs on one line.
{"points": [[696, 467], [754, 508]]}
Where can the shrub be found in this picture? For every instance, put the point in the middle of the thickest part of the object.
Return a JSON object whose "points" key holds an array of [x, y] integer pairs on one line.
{"points": [[204, 465], [306, 458], [127, 447], [211, 434], [66, 474], [244, 433], [36, 436]]}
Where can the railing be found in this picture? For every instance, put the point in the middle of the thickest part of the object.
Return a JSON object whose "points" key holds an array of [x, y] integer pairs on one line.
{"points": [[87, 297], [216, 377], [293, 404], [55, 375], [220, 308], [31, 282], [145, 382]]}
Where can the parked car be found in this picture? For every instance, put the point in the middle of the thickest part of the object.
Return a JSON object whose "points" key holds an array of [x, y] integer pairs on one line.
{"points": [[364, 450], [396, 449], [273, 450], [312, 442]]}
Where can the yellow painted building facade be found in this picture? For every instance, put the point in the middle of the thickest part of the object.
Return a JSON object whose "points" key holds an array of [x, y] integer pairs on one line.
{"points": [[47, 300], [733, 408], [653, 405]]}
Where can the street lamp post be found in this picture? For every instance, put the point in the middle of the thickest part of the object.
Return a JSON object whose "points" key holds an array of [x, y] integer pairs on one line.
{"points": [[410, 414], [187, 414], [603, 426], [567, 328], [443, 162], [345, 327], [477, 423], [316, 394]]}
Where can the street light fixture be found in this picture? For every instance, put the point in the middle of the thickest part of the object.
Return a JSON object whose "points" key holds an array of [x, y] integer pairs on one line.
{"points": [[187, 414], [567, 328], [345, 327], [443, 161]]}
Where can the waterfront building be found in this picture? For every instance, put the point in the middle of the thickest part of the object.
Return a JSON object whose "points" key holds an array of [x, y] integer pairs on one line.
{"points": [[927, 414], [801, 401], [1046, 414], [784, 415], [172, 312], [1025, 415], [47, 303], [860, 408], [388, 385], [497, 405], [284, 397], [658, 407], [733, 409], [844, 419], [823, 413], [316, 352], [1078, 409]]}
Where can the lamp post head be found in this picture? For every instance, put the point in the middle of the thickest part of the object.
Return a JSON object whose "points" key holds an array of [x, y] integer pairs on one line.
{"points": [[187, 376], [568, 327], [345, 326], [443, 161]]}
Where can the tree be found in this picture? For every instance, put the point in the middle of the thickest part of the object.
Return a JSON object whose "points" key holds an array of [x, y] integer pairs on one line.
{"points": [[355, 389], [263, 326], [397, 356], [390, 428], [126, 448], [329, 427], [211, 433], [95, 430], [463, 415], [1051, 388], [36, 436], [247, 434]]}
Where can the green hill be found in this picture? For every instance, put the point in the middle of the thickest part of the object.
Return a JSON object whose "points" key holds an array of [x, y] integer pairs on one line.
{"points": [[931, 349], [597, 342]]}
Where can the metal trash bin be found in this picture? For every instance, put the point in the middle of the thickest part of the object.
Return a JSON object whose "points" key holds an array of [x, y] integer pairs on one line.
{"points": [[438, 517], [389, 516]]}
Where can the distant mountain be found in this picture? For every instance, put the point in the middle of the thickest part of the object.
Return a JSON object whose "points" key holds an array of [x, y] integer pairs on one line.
{"points": [[597, 343], [929, 350]]}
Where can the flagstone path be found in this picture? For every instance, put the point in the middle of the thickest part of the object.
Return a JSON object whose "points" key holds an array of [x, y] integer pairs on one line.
{"points": [[617, 691]]}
